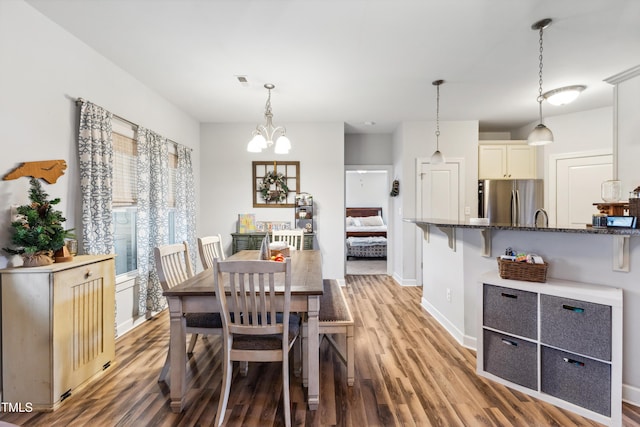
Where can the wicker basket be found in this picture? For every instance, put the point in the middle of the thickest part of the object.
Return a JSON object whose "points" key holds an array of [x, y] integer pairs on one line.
{"points": [[522, 270]]}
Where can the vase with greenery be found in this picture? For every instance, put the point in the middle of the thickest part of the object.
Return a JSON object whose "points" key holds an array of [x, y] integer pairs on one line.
{"points": [[38, 232]]}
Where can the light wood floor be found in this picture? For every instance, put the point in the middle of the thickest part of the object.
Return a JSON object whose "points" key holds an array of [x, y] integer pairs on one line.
{"points": [[409, 371]]}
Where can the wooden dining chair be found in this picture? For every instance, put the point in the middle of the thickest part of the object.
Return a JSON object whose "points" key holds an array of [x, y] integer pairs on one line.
{"points": [[293, 238], [257, 324], [173, 266], [210, 247]]}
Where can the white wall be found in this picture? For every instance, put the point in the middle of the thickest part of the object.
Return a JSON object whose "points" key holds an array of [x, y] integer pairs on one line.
{"points": [[227, 188], [368, 188], [417, 140], [628, 131], [43, 69], [367, 149]]}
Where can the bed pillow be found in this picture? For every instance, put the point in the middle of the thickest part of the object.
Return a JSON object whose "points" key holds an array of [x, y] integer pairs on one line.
{"points": [[371, 221]]}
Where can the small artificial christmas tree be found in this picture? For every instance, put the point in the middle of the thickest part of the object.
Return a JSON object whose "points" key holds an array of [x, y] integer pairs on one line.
{"points": [[39, 230]]}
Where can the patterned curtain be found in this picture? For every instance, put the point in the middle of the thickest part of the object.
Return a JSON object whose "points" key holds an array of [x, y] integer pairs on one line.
{"points": [[152, 216], [186, 202], [95, 152]]}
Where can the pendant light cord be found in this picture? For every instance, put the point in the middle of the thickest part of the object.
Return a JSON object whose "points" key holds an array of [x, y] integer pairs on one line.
{"points": [[540, 97], [438, 117]]}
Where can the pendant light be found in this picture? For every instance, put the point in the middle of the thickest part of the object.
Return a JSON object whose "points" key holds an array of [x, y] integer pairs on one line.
{"points": [[541, 134], [264, 135], [437, 157]]}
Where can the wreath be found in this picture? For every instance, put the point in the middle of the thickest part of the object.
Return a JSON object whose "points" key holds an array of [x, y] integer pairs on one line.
{"points": [[274, 187]]}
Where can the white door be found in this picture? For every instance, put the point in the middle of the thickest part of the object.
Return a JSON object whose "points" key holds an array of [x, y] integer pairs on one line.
{"points": [[440, 191], [578, 182]]}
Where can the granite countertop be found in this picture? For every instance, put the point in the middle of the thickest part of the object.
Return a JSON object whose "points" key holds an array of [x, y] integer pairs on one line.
{"points": [[500, 226]]}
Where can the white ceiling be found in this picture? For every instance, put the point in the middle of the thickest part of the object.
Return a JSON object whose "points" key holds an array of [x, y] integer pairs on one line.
{"points": [[354, 61]]}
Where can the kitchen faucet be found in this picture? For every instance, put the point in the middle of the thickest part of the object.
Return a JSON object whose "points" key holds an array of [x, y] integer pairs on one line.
{"points": [[546, 218]]}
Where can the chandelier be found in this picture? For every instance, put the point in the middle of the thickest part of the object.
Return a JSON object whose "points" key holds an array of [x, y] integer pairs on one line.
{"points": [[264, 135]]}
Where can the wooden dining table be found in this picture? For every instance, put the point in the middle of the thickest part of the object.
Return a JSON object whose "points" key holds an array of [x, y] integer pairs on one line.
{"points": [[197, 295]]}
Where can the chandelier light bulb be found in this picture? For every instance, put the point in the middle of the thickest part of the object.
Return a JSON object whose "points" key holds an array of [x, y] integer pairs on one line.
{"points": [[264, 135]]}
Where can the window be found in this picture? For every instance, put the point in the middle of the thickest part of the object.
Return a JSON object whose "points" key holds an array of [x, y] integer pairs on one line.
{"points": [[124, 197]]}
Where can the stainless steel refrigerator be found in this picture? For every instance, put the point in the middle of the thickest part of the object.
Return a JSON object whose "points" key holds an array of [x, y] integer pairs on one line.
{"points": [[510, 201]]}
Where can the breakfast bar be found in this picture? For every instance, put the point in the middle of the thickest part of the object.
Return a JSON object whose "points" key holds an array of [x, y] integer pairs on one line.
{"points": [[456, 254]]}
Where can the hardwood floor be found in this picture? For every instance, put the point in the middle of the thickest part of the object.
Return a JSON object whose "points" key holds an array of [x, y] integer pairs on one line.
{"points": [[409, 371]]}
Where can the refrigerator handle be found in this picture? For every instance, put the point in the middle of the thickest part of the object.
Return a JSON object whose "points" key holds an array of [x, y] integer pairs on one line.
{"points": [[514, 208], [517, 211]]}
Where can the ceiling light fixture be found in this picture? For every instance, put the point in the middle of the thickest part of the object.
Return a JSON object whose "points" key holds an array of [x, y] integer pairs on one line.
{"points": [[264, 135], [541, 134], [563, 95], [437, 157]]}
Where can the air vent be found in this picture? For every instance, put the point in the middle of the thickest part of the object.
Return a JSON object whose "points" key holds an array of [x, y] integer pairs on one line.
{"points": [[243, 80]]}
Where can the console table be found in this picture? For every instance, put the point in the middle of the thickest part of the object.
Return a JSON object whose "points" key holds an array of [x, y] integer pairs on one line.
{"points": [[252, 241]]}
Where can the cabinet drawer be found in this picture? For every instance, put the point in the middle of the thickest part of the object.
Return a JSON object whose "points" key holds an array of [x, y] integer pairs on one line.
{"points": [[511, 358], [576, 326], [511, 310], [576, 379]]}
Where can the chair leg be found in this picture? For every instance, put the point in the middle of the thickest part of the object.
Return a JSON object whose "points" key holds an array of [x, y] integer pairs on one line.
{"points": [[297, 357], [244, 368], [226, 385], [192, 343], [285, 389], [165, 368]]}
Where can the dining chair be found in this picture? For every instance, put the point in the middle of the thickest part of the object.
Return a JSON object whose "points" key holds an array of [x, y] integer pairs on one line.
{"points": [[293, 238], [173, 266], [257, 324], [210, 247]]}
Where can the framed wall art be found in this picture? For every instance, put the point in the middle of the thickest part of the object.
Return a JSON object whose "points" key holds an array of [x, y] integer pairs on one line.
{"points": [[275, 184]]}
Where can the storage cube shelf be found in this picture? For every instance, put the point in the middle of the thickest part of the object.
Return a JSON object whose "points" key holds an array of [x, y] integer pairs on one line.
{"points": [[558, 341]]}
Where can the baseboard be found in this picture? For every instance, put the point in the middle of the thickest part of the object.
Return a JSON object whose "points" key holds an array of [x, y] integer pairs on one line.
{"points": [[631, 395], [450, 327], [402, 282]]}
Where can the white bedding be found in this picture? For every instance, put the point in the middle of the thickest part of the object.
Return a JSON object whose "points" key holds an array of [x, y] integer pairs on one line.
{"points": [[366, 241], [366, 228]]}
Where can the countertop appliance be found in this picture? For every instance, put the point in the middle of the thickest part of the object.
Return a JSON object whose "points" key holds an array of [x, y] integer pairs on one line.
{"points": [[510, 201]]}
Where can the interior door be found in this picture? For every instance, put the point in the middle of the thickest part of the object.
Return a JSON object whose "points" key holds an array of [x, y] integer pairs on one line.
{"points": [[440, 191], [578, 182]]}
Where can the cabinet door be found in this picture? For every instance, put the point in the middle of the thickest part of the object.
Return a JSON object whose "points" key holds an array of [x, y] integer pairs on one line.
{"points": [[521, 161], [83, 323], [492, 162]]}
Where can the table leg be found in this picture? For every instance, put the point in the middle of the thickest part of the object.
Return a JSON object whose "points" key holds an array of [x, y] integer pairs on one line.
{"points": [[177, 353], [313, 352]]}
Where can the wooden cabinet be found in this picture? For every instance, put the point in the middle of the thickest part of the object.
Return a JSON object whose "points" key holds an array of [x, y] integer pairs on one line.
{"points": [[58, 328], [252, 241], [513, 160], [558, 341]]}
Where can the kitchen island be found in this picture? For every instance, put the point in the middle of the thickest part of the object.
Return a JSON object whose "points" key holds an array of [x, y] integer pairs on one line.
{"points": [[456, 254]]}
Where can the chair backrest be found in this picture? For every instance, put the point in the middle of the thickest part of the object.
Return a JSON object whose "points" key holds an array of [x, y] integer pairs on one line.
{"points": [[210, 247], [294, 238], [173, 264], [248, 290]]}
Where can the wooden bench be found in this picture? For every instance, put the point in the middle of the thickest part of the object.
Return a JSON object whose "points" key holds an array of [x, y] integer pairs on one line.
{"points": [[335, 318]]}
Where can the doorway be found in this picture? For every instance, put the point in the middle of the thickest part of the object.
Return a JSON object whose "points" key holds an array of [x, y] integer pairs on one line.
{"points": [[368, 186]]}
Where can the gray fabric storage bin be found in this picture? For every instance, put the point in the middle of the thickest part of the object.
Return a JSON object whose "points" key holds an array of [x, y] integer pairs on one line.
{"points": [[576, 379], [576, 326], [511, 358], [511, 310]]}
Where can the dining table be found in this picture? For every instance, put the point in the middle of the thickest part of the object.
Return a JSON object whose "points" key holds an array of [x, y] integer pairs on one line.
{"points": [[197, 295]]}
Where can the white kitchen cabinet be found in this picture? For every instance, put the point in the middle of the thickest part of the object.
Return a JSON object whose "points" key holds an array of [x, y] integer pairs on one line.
{"points": [[58, 328], [558, 341], [513, 160]]}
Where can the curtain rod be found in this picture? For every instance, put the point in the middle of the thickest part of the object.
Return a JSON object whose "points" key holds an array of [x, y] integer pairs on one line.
{"points": [[80, 101]]}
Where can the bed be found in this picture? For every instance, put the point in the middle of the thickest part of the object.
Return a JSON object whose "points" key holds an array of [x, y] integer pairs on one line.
{"points": [[366, 233]]}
